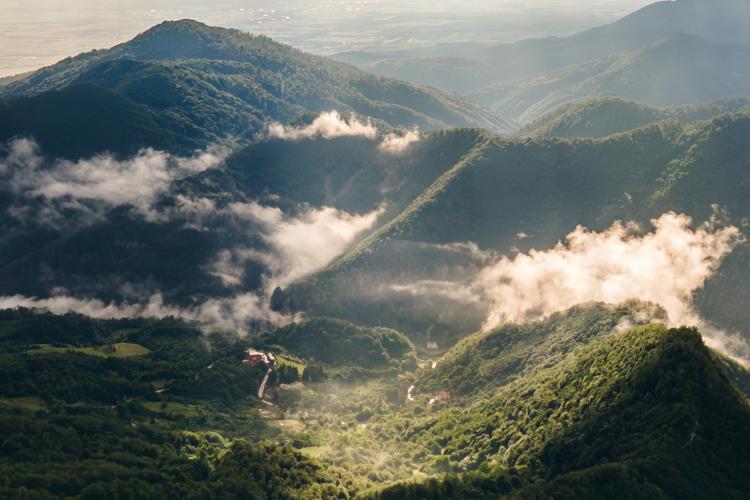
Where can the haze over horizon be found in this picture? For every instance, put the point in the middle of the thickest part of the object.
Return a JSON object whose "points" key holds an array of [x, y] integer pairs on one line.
{"points": [[37, 33]]}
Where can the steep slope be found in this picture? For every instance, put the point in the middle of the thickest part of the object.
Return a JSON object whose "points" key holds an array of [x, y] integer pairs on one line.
{"points": [[678, 71], [642, 412], [506, 197], [492, 359], [83, 119], [223, 83], [173, 246], [720, 22]]}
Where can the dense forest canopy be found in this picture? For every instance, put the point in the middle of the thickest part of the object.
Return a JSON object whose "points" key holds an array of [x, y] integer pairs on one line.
{"points": [[233, 269]]}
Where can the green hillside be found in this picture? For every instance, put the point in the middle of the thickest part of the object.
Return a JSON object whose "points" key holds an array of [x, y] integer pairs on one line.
{"points": [[603, 116], [643, 412], [340, 343], [580, 405], [542, 188], [496, 357], [214, 84]]}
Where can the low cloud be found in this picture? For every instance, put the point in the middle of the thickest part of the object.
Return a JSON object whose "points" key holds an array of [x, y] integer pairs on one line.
{"points": [[235, 314], [299, 244], [295, 245], [330, 125], [137, 181], [665, 266], [397, 144], [327, 125]]}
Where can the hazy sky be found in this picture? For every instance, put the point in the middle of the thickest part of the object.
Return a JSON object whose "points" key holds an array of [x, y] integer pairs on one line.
{"points": [[34, 33]]}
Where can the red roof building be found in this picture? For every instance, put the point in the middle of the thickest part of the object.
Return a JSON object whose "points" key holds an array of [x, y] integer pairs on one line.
{"points": [[253, 357]]}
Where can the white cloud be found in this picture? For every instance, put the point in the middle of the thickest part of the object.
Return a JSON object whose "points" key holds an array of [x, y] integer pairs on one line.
{"points": [[137, 181], [301, 244], [327, 125], [665, 267], [330, 125], [231, 314], [297, 245], [397, 144]]}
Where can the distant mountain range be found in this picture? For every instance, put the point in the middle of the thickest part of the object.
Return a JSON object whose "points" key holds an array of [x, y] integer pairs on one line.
{"points": [[668, 53]]}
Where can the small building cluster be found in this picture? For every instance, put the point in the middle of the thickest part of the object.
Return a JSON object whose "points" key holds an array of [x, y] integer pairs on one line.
{"points": [[253, 358], [441, 397]]}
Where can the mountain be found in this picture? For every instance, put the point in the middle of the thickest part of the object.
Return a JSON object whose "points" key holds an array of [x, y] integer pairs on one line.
{"points": [[603, 116], [504, 197], [645, 411], [717, 22], [678, 71], [494, 358], [172, 248], [213, 84], [430, 218]]}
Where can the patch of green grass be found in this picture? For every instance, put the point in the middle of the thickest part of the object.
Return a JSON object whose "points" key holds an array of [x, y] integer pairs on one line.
{"points": [[285, 360], [127, 350], [28, 403], [118, 350], [316, 451], [173, 408]]}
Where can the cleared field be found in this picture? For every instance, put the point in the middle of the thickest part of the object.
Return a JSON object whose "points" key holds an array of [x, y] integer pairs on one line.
{"points": [[290, 425], [173, 408], [284, 360], [118, 350], [316, 451], [127, 350], [29, 404]]}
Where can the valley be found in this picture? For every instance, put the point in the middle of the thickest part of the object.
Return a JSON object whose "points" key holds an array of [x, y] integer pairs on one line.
{"points": [[230, 268]]}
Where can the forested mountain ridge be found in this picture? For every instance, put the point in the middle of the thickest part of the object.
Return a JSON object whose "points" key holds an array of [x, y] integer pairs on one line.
{"points": [[350, 174], [643, 411], [214, 84], [543, 188], [603, 116]]}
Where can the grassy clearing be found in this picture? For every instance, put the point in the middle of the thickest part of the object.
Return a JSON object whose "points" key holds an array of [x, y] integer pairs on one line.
{"points": [[285, 360], [290, 425], [127, 350], [173, 408], [29, 404], [317, 452], [118, 350]]}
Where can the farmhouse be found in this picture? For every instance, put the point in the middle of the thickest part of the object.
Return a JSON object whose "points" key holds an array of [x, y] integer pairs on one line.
{"points": [[253, 357], [441, 397]]}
